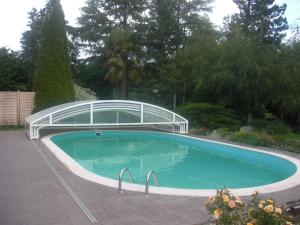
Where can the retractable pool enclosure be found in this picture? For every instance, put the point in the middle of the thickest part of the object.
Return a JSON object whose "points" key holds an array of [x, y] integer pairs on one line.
{"points": [[105, 114]]}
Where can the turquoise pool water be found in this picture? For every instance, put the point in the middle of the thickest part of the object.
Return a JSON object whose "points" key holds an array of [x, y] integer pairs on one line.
{"points": [[179, 162]]}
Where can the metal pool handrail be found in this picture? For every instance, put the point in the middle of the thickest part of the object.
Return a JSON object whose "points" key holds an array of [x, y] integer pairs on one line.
{"points": [[120, 178], [150, 173]]}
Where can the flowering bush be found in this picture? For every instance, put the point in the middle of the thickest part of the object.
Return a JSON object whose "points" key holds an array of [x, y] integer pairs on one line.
{"points": [[83, 93], [228, 209]]}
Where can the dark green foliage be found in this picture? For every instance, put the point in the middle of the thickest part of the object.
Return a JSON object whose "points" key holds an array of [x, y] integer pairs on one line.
{"points": [[121, 63], [196, 62], [271, 126], [168, 47], [288, 142], [110, 27], [53, 80], [263, 20], [11, 71], [246, 69], [170, 24], [284, 93], [243, 76], [252, 138], [91, 73], [30, 43], [210, 116]]}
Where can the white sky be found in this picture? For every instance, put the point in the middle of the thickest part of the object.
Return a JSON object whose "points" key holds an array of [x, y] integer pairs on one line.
{"points": [[14, 17]]}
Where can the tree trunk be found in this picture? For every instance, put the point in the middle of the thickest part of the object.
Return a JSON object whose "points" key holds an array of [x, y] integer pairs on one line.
{"points": [[124, 84], [184, 93], [249, 119], [174, 100]]}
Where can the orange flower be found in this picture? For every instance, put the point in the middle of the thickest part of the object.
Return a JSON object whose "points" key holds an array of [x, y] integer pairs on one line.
{"points": [[260, 205], [217, 213], [225, 198], [269, 208], [278, 211]]}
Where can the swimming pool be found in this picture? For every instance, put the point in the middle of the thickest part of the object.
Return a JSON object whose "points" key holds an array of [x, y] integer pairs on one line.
{"points": [[182, 164]]}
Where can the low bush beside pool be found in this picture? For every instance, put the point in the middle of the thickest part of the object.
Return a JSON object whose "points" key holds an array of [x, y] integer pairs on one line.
{"points": [[216, 121], [228, 209]]}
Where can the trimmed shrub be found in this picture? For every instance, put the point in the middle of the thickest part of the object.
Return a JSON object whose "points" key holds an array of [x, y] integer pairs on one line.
{"points": [[53, 80], [271, 126], [210, 116]]}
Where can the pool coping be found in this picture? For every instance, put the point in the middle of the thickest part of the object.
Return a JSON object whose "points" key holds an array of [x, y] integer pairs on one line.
{"points": [[74, 167]]}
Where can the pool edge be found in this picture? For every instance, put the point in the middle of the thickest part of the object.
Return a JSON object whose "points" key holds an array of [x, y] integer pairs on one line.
{"points": [[75, 168]]}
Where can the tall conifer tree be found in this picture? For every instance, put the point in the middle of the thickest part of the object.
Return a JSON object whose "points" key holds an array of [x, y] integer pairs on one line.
{"points": [[262, 19], [53, 80]]}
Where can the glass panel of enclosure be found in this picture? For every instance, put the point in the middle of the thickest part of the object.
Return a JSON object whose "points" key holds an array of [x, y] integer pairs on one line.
{"points": [[116, 116], [111, 112], [75, 115]]}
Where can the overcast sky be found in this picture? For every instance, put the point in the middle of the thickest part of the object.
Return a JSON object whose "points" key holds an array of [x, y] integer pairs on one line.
{"points": [[13, 15]]}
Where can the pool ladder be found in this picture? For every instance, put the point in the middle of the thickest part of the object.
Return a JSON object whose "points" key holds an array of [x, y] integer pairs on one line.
{"points": [[150, 173], [120, 178]]}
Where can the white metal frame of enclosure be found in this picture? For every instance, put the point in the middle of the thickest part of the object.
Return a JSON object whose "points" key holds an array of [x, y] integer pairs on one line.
{"points": [[51, 117]]}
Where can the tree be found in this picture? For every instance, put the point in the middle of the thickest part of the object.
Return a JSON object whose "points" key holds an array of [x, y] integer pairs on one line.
{"points": [[30, 42], [11, 71], [195, 63], [262, 20], [100, 22], [284, 94], [121, 59], [170, 24], [242, 79], [53, 79], [253, 39]]}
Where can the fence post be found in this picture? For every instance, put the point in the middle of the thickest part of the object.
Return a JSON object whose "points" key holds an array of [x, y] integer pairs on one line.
{"points": [[18, 109]]}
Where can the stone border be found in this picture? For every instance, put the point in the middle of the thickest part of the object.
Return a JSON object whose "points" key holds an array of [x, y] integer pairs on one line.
{"points": [[73, 166]]}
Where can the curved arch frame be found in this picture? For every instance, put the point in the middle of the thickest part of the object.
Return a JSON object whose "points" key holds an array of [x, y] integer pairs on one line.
{"points": [[157, 117]]}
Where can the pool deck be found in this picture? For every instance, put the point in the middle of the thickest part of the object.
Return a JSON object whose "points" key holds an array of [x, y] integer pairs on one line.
{"points": [[37, 189]]}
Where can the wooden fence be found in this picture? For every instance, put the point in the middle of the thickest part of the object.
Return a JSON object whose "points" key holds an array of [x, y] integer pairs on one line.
{"points": [[15, 107]]}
